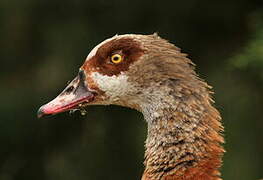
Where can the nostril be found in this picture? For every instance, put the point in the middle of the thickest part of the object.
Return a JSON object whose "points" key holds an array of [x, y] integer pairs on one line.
{"points": [[81, 75], [69, 89]]}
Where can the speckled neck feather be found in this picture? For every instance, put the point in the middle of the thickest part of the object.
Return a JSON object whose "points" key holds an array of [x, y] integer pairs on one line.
{"points": [[183, 136], [184, 129]]}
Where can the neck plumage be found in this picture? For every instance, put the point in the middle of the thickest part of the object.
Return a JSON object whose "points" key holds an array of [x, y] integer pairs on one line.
{"points": [[184, 140]]}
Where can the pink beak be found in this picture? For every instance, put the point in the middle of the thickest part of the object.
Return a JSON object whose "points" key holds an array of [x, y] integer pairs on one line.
{"points": [[70, 98]]}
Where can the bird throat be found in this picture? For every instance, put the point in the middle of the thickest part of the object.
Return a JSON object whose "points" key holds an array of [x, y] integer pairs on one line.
{"points": [[184, 140]]}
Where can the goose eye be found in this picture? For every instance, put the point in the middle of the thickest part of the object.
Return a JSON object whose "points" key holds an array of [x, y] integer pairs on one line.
{"points": [[116, 58]]}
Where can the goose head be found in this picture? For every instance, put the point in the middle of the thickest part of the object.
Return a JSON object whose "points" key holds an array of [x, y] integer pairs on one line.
{"points": [[123, 70]]}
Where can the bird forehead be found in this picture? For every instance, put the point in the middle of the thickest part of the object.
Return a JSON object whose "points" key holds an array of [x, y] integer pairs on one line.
{"points": [[95, 49]]}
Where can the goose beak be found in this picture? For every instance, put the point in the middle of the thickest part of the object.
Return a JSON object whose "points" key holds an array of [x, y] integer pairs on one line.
{"points": [[76, 93]]}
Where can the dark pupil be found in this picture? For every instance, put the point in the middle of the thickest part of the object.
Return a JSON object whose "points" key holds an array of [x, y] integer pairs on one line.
{"points": [[116, 58]]}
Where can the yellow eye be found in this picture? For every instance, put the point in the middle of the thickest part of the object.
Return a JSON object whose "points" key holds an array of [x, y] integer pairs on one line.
{"points": [[116, 58]]}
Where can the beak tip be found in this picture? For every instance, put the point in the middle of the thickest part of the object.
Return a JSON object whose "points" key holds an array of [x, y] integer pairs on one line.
{"points": [[40, 112]]}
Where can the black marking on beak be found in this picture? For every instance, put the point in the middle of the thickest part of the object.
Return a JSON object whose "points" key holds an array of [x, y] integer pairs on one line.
{"points": [[72, 97]]}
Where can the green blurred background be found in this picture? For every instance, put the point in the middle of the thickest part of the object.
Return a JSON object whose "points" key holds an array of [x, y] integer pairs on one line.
{"points": [[43, 43]]}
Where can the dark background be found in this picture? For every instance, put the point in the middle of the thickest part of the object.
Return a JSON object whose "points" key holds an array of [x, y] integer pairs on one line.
{"points": [[43, 43]]}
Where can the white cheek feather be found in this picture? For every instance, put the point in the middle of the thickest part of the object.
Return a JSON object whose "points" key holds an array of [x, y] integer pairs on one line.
{"points": [[114, 86]]}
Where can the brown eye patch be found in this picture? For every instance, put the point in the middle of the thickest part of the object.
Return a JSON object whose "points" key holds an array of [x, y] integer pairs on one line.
{"points": [[129, 49]]}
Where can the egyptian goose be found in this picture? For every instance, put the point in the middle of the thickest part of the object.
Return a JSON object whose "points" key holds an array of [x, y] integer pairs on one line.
{"points": [[151, 75]]}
